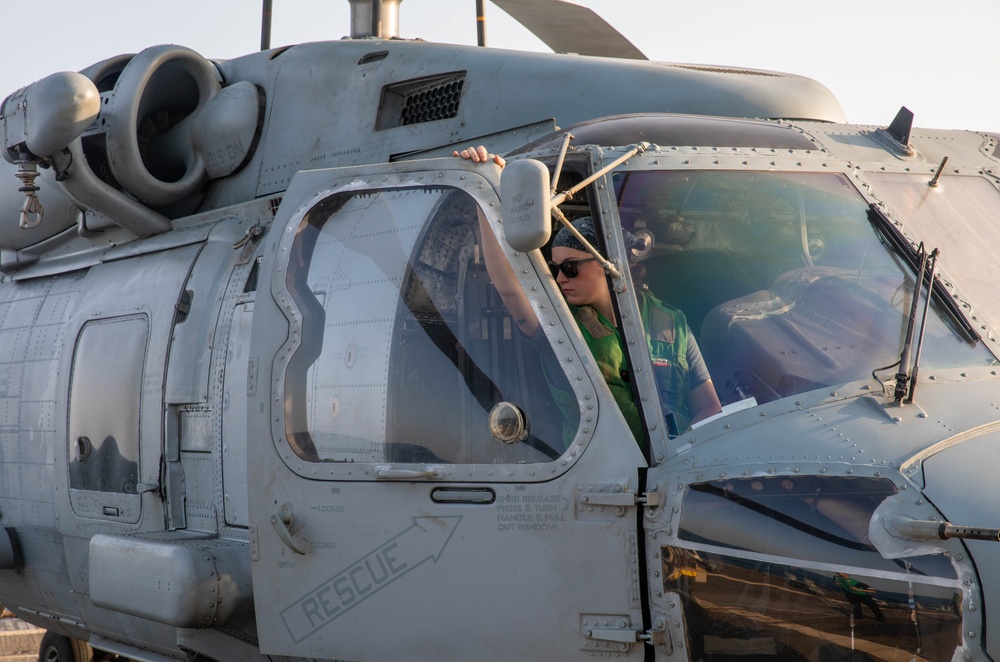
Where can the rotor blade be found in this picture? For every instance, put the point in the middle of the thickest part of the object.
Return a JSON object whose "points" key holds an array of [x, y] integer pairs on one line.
{"points": [[568, 28]]}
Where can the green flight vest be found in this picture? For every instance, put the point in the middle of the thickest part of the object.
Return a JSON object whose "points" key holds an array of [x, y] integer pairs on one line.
{"points": [[667, 334]]}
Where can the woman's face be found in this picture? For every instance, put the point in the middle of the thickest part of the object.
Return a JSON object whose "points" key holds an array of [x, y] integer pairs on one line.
{"points": [[589, 287]]}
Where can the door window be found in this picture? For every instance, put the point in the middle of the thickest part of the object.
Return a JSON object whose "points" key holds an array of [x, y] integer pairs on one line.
{"points": [[403, 348], [104, 417]]}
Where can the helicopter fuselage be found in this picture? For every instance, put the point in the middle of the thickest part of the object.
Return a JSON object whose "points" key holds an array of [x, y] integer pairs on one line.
{"points": [[277, 408]]}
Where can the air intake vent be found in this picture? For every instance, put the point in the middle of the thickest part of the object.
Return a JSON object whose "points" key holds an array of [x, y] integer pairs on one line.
{"points": [[421, 100]]}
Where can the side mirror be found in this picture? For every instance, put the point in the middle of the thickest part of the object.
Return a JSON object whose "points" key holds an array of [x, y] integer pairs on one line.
{"points": [[526, 205]]}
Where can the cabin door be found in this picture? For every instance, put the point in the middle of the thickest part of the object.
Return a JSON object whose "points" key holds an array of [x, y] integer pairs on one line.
{"points": [[122, 328], [417, 491]]}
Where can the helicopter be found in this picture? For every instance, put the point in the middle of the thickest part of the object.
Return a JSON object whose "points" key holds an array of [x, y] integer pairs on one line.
{"points": [[263, 400]]}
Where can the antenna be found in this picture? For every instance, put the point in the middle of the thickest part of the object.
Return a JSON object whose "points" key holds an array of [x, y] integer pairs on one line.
{"points": [[481, 22], [901, 126], [265, 25], [376, 18], [937, 175]]}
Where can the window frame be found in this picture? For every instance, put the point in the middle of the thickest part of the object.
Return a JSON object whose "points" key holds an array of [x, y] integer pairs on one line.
{"points": [[117, 506], [546, 300]]}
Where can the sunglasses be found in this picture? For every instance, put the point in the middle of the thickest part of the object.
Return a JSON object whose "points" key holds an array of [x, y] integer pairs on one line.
{"points": [[569, 268]]}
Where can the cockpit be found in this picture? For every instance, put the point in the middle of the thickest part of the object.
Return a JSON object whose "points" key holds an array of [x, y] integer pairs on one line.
{"points": [[783, 278]]}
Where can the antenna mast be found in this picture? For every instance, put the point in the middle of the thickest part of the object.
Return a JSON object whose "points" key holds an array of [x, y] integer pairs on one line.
{"points": [[481, 22], [265, 25]]}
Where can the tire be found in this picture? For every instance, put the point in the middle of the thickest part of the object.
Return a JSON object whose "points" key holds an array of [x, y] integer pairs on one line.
{"points": [[59, 648]]}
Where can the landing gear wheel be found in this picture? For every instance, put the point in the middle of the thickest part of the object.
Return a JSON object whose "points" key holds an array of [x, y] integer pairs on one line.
{"points": [[59, 648]]}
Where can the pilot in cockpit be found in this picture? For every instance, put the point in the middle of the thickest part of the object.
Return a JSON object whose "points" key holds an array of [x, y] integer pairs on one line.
{"points": [[686, 389]]}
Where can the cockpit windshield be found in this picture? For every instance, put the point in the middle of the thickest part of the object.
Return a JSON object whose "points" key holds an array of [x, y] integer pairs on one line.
{"points": [[783, 280]]}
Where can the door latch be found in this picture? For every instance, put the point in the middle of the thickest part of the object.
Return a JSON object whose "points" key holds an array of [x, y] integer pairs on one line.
{"points": [[284, 526], [623, 499]]}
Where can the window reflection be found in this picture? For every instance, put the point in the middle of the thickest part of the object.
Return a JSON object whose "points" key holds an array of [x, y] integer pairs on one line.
{"points": [[740, 609], [959, 218], [104, 449], [783, 280], [815, 518], [405, 346], [796, 606]]}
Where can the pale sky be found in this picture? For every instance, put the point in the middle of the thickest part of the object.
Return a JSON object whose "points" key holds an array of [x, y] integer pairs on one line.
{"points": [[940, 59]]}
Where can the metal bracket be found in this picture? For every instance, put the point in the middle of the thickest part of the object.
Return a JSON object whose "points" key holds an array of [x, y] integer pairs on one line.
{"points": [[151, 486], [605, 633], [658, 635], [626, 636]]}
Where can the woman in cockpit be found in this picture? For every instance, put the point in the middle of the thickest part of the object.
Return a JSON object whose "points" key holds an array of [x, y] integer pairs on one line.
{"points": [[686, 390]]}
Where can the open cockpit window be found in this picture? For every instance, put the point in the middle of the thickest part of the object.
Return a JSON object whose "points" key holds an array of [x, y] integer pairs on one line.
{"points": [[405, 349], [782, 277]]}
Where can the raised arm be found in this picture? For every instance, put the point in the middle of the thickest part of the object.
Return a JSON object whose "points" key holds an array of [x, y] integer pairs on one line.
{"points": [[499, 269]]}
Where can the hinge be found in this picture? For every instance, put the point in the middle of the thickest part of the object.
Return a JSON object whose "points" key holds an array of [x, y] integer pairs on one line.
{"points": [[622, 498], [657, 635], [605, 633], [601, 501], [624, 634]]}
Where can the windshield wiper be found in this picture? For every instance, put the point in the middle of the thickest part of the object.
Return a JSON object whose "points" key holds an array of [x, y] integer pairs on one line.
{"points": [[906, 382], [903, 248], [906, 379]]}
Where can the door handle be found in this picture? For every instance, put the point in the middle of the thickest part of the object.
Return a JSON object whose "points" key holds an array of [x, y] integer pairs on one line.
{"points": [[284, 526], [479, 495]]}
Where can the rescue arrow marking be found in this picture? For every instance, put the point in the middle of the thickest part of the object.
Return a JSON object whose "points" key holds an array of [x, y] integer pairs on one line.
{"points": [[374, 571]]}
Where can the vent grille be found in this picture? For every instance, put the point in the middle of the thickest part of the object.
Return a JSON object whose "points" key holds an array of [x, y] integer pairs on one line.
{"points": [[422, 100], [272, 206], [438, 103]]}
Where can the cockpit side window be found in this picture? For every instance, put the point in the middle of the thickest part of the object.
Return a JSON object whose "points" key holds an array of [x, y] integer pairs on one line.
{"points": [[405, 347], [746, 540]]}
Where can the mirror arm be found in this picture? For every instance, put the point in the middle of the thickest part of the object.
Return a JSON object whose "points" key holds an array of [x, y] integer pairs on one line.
{"points": [[559, 164], [557, 200], [568, 193]]}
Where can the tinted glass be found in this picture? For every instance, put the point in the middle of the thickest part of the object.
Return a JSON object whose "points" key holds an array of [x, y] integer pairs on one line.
{"points": [[742, 609], [783, 567], [783, 280]]}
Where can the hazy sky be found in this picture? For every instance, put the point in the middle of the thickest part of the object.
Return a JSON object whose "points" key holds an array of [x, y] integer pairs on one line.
{"points": [[940, 59]]}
